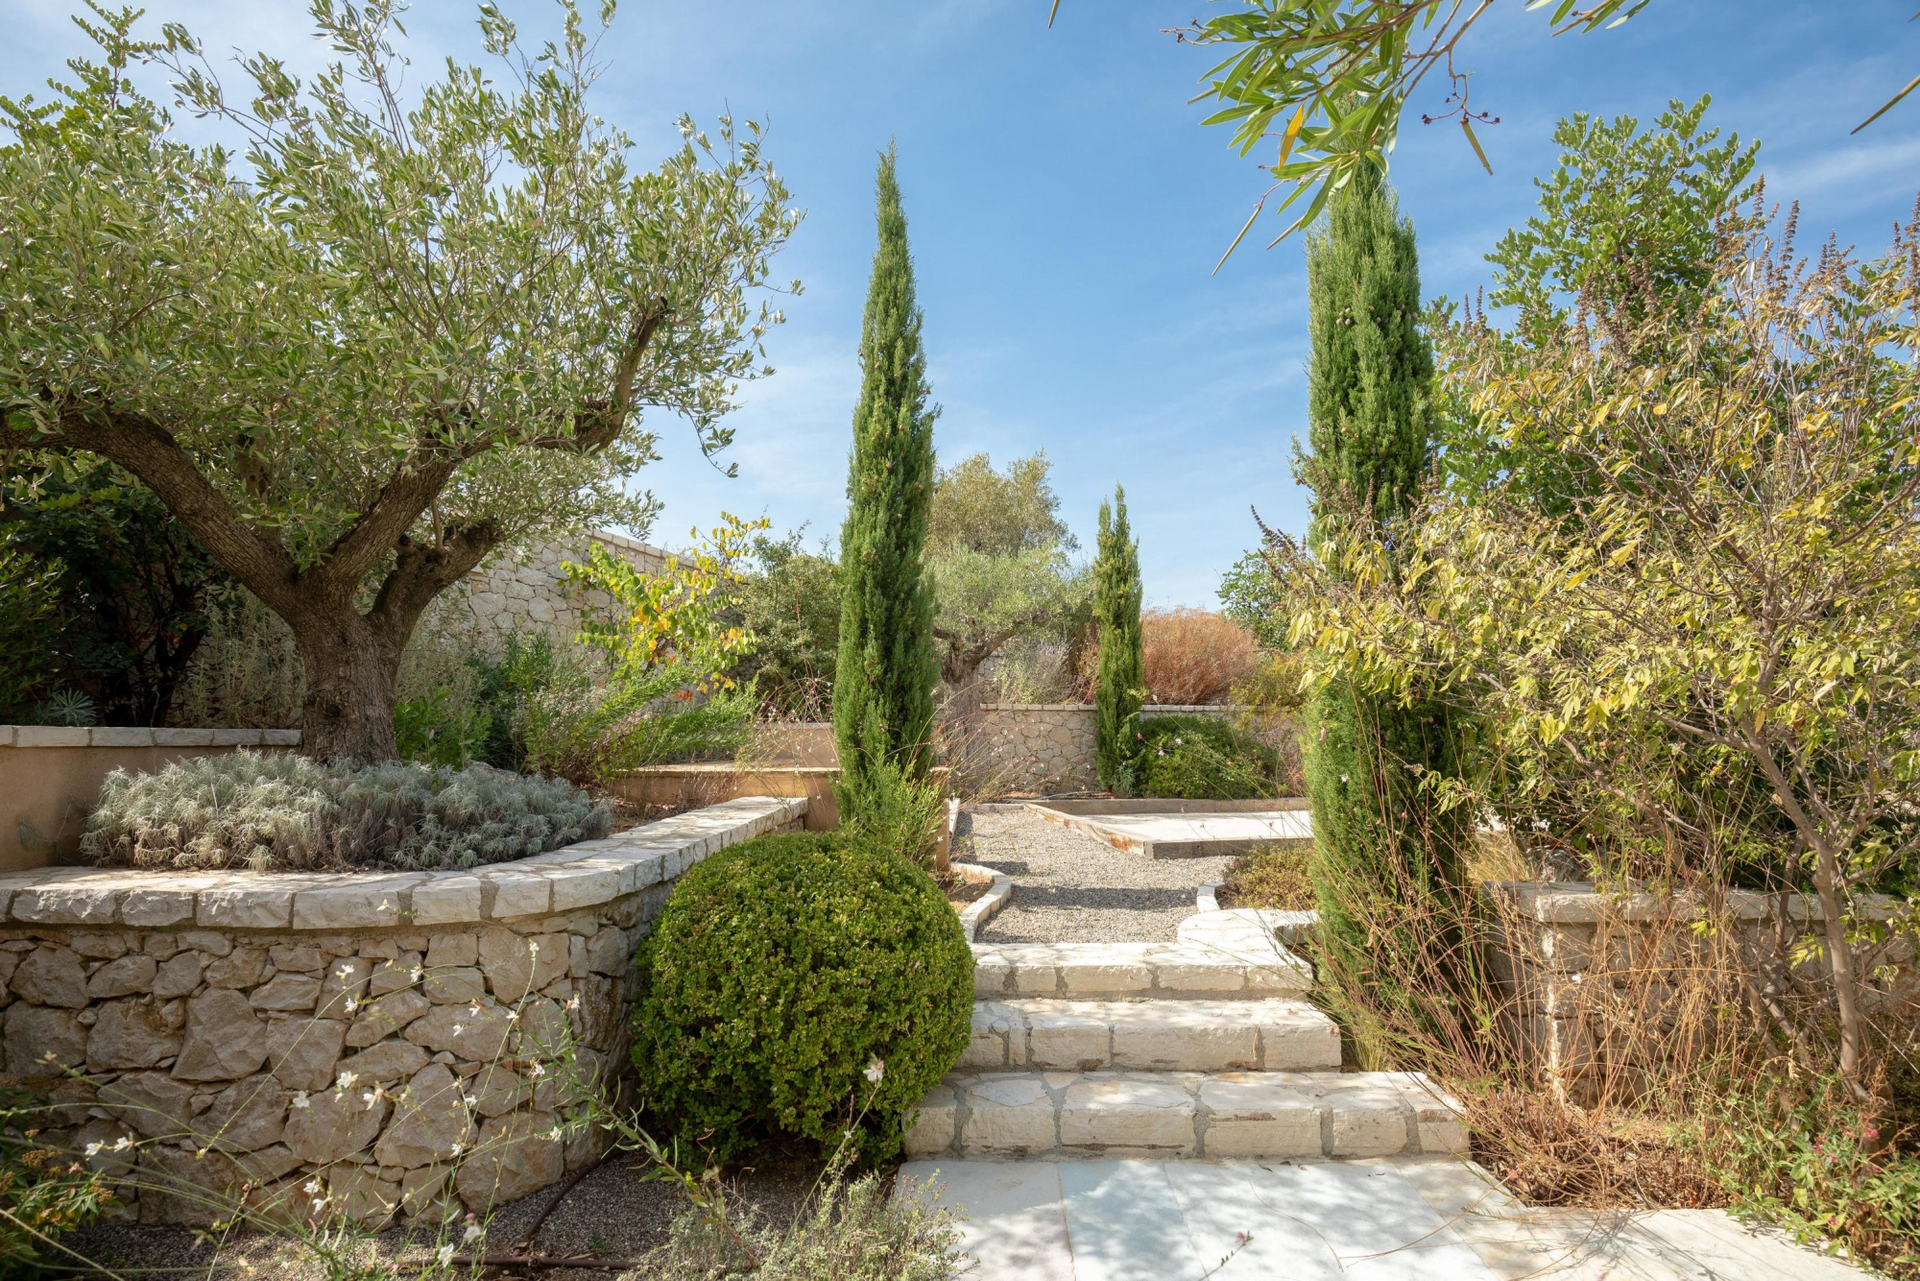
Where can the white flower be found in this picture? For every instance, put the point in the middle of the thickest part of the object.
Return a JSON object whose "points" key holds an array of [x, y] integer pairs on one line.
{"points": [[473, 1011], [537, 1071], [417, 971], [344, 973], [300, 1099], [473, 1233], [573, 1002], [458, 1028], [353, 1003], [312, 1187], [458, 1148], [875, 1071], [93, 1149], [554, 1133], [533, 949], [346, 1080], [126, 1141], [370, 1098], [319, 1205], [513, 1016], [386, 905], [444, 1254]]}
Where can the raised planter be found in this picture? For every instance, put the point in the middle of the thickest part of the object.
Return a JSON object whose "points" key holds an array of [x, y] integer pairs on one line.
{"points": [[50, 774], [386, 1040], [710, 784]]}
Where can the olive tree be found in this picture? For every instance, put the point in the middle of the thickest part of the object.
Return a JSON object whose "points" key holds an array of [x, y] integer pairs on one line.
{"points": [[364, 341]]}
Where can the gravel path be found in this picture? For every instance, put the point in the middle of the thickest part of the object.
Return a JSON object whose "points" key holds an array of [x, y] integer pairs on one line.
{"points": [[1071, 888]]}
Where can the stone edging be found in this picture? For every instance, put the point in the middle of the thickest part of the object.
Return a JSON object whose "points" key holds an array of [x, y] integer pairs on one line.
{"points": [[982, 909], [137, 736], [582, 875], [1581, 903]]}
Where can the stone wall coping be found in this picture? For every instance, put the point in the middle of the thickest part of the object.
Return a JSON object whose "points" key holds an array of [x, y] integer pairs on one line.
{"points": [[140, 736], [581, 875], [630, 543], [1581, 903]]}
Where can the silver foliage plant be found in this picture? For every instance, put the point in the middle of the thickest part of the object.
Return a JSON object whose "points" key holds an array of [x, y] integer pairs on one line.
{"points": [[279, 812]]}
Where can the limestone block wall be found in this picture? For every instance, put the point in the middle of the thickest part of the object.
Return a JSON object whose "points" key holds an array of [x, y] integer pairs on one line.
{"points": [[526, 591], [50, 775], [1049, 747], [1603, 990], [375, 1045]]}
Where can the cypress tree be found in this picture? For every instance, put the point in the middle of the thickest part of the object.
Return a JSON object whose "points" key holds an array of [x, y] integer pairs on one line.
{"points": [[1120, 681], [884, 681], [1384, 862]]}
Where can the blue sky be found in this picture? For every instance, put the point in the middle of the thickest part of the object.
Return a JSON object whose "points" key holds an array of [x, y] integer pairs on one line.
{"points": [[1066, 210]]}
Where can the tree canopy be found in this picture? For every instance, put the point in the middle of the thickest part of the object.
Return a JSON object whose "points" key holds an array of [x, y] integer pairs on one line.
{"points": [[363, 341]]}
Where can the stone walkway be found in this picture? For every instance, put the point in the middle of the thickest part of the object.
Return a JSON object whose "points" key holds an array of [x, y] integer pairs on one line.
{"points": [[1365, 1220]]}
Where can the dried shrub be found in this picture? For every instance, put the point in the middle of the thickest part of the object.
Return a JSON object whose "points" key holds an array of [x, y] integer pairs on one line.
{"points": [[285, 812], [1194, 656]]}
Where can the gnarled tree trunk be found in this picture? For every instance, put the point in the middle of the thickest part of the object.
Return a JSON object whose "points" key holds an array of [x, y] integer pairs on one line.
{"points": [[351, 667]]}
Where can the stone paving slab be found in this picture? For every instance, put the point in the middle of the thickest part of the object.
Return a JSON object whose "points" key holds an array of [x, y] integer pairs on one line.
{"points": [[1175, 834], [1202, 1035], [1180, 1114], [1421, 1219], [1135, 971]]}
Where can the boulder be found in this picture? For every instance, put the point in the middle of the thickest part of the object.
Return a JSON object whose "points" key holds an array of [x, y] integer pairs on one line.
{"points": [[382, 1018], [123, 977], [51, 975], [386, 1062], [131, 1034], [246, 1116], [518, 965], [151, 1102], [301, 1052], [179, 975], [430, 1121], [42, 1041]]}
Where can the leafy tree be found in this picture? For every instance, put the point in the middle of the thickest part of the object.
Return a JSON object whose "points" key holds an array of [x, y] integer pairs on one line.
{"points": [[1379, 835], [885, 676], [132, 582], [1119, 683], [1741, 594], [1631, 222], [998, 553], [405, 334], [987, 600], [790, 602], [996, 513]]}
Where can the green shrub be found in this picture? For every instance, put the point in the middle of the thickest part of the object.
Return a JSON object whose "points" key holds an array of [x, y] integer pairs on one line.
{"points": [[44, 1193], [438, 728], [780, 974], [898, 813], [279, 812], [1204, 758]]}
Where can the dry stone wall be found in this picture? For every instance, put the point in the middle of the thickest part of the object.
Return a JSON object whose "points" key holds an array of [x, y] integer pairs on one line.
{"points": [[365, 1044], [1587, 973], [527, 591], [1049, 747]]}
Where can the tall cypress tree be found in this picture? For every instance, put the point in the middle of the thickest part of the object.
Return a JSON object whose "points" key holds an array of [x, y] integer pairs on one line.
{"points": [[884, 681], [1383, 851], [1120, 680]]}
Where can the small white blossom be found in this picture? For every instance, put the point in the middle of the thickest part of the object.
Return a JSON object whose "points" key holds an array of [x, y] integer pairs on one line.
{"points": [[126, 1141], [300, 1099], [312, 1188], [554, 1133], [473, 1233], [573, 1002], [93, 1149], [353, 1003], [458, 1148], [876, 1070], [473, 1011], [533, 948], [444, 1254], [513, 1016], [346, 1080], [537, 1071], [344, 973], [458, 1028], [417, 971]]}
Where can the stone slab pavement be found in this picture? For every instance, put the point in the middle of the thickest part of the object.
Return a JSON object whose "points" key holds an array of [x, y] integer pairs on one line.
{"points": [[1384, 1220], [1174, 835]]}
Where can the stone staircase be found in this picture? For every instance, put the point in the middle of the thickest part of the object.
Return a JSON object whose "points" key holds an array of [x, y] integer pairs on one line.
{"points": [[1200, 1048]]}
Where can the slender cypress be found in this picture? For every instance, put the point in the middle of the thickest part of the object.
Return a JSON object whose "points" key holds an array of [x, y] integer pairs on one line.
{"points": [[884, 682], [1385, 854], [1119, 685]]}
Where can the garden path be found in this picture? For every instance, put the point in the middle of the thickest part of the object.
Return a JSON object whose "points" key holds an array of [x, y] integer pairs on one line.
{"points": [[1071, 888]]}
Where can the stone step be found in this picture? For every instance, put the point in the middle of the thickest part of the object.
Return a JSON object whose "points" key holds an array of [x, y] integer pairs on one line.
{"points": [[1198, 1035], [1065, 1115], [1135, 971]]}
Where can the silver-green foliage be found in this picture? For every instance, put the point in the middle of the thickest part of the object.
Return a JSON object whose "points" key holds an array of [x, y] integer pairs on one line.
{"points": [[277, 812]]}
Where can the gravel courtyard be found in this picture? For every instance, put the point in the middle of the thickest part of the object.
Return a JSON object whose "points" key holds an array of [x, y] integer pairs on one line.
{"points": [[1070, 888]]}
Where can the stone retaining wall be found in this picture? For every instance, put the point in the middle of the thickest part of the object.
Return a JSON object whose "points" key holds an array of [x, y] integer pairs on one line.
{"points": [[372, 1043], [1605, 991], [527, 591], [50, 775], [1048, 747]]}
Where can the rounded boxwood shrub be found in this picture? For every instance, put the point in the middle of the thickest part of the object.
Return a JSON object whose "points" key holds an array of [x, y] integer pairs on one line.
{"points": [[780, 972]]}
